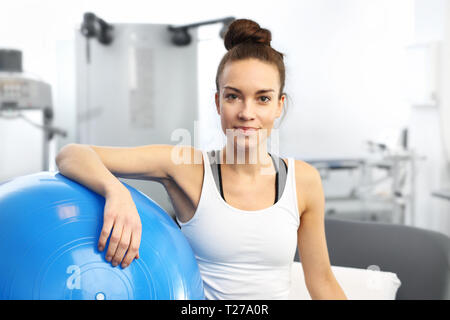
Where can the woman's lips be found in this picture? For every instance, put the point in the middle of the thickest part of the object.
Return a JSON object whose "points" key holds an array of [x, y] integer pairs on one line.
{"points": [[246, 130]]}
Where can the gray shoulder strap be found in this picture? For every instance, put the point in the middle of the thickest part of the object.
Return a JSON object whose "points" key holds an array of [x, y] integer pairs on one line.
{"points": [[281, 168], [214, 160], [278, 163]]}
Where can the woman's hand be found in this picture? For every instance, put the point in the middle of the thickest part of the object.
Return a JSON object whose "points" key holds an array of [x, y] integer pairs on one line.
{"points": [[120, 217]]}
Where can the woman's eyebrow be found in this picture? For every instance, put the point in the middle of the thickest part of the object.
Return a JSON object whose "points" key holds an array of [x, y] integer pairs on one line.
{"points": [[259, 91]]}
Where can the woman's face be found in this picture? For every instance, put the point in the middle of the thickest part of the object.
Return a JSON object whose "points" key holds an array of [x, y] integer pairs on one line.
{"points": [[248, 101]]}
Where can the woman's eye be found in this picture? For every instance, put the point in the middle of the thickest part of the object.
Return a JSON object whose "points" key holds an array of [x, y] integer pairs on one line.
{"points": [[233, 96]]}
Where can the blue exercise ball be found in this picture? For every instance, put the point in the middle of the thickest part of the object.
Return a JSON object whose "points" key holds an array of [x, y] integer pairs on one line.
{"points": [[49, 230]]}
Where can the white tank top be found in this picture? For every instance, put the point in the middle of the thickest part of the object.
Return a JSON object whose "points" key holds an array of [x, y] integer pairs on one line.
{"points": [[244, 254]]}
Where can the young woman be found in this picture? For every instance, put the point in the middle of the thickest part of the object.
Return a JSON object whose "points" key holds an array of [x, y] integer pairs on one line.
{"points": [[242, 227]]}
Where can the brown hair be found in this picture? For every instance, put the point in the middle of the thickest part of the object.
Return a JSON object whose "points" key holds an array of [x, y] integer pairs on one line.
{"points": [[245, 39]]}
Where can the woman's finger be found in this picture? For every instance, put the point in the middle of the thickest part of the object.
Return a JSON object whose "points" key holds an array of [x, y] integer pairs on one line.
{"points": [[133, 250], [122, 246], [104, 234], [114, 240]]}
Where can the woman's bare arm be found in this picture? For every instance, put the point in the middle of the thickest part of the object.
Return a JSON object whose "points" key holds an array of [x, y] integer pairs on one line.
{"points": [[97, 168], [312, 245]]}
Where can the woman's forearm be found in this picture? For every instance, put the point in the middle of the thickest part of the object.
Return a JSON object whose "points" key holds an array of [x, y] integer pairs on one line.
{"points": [[327, 290], [81, 164]]}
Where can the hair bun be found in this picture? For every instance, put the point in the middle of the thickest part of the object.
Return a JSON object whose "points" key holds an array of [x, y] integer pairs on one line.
{"points": [[245, 30]]}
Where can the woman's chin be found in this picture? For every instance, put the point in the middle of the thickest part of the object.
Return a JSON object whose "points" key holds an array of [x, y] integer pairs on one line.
{"points": [[248, 144]]}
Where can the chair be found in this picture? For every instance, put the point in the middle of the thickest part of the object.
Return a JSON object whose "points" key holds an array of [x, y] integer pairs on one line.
{"points": [[419, 257]]}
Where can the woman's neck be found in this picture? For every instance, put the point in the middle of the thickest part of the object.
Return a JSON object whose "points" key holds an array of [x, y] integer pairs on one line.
{"points": [[249, 162]]}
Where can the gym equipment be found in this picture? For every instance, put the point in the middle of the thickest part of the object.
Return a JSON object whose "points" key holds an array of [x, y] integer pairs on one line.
{"points": [[49, 230], [400, 169], [21, 91]]}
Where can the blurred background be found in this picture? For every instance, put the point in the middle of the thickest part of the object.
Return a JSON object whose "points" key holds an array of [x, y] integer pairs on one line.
{"points": [[368, 84]]}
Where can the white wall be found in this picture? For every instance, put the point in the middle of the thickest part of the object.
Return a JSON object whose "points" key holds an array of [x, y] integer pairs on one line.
{"points": [[427, 131], [346, 76]]}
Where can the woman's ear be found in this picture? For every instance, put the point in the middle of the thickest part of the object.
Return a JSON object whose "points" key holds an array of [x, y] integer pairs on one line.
{"points": [[280, 106], [217, 99]]}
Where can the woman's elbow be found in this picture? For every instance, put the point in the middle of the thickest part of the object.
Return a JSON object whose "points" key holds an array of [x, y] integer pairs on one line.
{"points": [[63, 152]]}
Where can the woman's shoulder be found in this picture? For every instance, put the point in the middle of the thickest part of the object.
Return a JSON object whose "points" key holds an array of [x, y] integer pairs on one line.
{"points": [[187, 165], [307, 178], [303, 170], [306, 174]]}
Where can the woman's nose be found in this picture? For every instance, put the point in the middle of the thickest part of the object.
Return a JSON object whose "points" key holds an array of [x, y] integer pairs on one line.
{"points": [[247, 111]]}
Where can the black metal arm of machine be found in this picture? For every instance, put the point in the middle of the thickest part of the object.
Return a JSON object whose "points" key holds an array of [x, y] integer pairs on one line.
{"points": [[94, 27], [181, 37]]}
